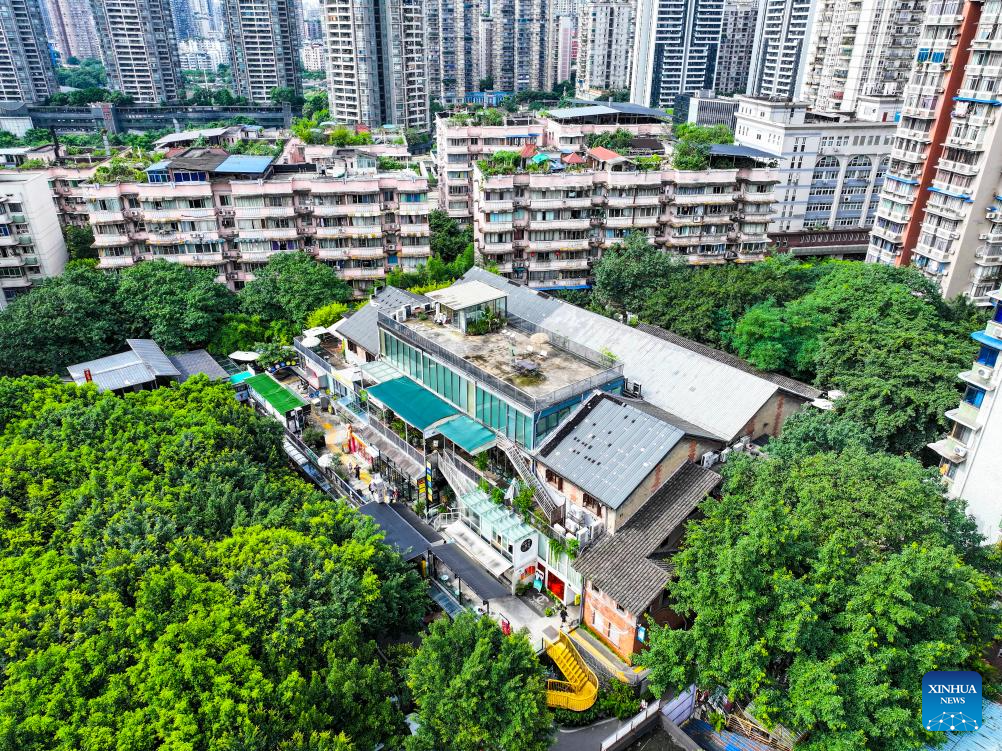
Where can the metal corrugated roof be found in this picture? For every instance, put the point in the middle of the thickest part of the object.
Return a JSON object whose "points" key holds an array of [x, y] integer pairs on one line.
{"points": [[987, 738], [198, 361], [468, 433], [412, 402], [609, 448], [245, 164], [142, 364], [149, 352], [711, 395], [590, 110], [360, 327]]}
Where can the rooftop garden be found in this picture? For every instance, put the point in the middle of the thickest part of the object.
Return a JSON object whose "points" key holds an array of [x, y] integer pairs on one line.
{"points": [[487, 116], [125, 168], [692, 147], [618, 140], [499, 163]]}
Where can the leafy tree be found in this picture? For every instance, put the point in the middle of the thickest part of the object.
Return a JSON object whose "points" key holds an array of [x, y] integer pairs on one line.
{"points": [[79, 242], [290, 286], [238, 332], [448, 238], [477, 689], [821, 588], [486, 83], [706, 134], [326, 316], [315, 104], [618, 140], [167, 583], [89, 74], [179, 307], [285, 94], [389, 164], [65, 320], [690, 156]]}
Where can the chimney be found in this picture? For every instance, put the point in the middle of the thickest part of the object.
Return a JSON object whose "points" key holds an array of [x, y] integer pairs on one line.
{"points": [[87, 376]]}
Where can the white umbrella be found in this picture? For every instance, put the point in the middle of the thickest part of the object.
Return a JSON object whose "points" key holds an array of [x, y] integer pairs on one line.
{"points": [[315, 331], [244, 356], [311, 341], [325, 460]]}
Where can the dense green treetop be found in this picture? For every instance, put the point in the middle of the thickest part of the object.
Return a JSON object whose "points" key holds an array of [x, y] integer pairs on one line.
{"points": [[79, 242], [290, 287], [823, 586], [166, 583], [883, 335], [180, 307], [477, 689]]}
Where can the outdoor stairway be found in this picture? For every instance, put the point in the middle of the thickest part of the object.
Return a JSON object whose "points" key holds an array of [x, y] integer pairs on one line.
{"points": [[543, 498], [580, 690], [460, 483]]}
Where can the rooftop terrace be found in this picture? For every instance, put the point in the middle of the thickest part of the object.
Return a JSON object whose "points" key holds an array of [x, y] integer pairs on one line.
{"points": [[536, 367]]}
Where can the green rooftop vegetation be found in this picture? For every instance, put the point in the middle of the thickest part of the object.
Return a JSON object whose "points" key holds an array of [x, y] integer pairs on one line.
{"points": [[498, 163], [692, 148], [617, 140], [487, 116]]}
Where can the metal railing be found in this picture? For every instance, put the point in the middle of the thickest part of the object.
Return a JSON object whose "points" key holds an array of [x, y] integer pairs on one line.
{"points": [[458, 480], [387, 433], [309, 354], [637, 722], [504, 388], [341, 488]]}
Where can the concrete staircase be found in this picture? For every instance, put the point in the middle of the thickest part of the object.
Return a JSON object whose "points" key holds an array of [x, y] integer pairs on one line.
{"points": [[580, 689]]}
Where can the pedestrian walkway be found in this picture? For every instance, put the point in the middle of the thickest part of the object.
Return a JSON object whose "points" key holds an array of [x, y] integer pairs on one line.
{"points": [[580, 689]]}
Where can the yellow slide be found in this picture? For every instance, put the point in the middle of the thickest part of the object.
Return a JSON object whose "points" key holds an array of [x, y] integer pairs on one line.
{"points": [[579, 691]]}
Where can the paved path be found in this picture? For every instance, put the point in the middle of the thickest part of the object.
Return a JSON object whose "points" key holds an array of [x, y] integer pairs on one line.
{"points": [[587, 738]]}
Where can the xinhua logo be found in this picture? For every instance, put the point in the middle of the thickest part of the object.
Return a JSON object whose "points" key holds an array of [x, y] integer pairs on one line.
{"points": [[951, 700]]}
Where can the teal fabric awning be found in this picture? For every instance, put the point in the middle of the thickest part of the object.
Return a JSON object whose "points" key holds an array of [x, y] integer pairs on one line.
{"points": [[412, 402], [468, 434]]}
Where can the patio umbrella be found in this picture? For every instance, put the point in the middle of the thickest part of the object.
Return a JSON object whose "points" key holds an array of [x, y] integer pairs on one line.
{"points": [[311, 341], [243, 356]]}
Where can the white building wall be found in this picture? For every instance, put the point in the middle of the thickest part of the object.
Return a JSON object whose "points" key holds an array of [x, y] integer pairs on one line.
{"points": [[32, 249]]}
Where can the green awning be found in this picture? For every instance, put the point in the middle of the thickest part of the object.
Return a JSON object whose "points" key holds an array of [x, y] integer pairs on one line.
{"points": [[411, 402], [468, 434], [274, 393]]}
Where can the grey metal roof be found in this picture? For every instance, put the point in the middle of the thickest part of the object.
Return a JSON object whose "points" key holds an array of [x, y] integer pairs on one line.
{"points": [[732, 149], [150, 353], [198, 361], [790, 385], [142, 364], [398, 534], [360, 327], [626, 565], [607, 448], [588, 110], [712, 395], [628, 108], [470, 572]]}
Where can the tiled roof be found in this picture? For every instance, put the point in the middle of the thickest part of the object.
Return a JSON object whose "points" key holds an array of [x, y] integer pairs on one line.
{"points": [[624, 565], [604, 155], [790, 385]]}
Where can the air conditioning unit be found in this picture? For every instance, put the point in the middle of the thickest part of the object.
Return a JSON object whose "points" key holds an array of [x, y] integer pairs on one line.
{"points": [[984, 372], [709, 459], [959, 451], [584, 535]]}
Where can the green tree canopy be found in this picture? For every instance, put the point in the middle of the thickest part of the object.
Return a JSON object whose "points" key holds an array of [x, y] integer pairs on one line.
{"points": [[290, 287], [822, 587], [65, 320], [167, 583], [326, 316], [179, 307], [477, 689], [79, 242], [448, 238], [285, 94]]}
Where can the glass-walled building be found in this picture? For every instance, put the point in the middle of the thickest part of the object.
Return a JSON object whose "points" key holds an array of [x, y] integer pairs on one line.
{"points": [[512, 376]]}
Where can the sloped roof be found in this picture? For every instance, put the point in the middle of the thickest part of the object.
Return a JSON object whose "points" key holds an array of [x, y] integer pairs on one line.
{"points": [[195, 362], [624, 565], [572, 158], [712, 395], [607, 448], [790, 385], [244, 164], [528, 150], [360, 327], [605, 155], [143, 363]]}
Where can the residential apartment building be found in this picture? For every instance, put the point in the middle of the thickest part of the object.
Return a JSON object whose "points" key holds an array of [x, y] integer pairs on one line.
{"points": [[203, 54], [139, 48], [547, 219], [376, 66], [517, 44], [264, 38], [831, 169], [564, 44], [26, 72], [206, 208], [71, 28], [31, 241], [939, 206], [737, 40], [860, 48], [452, 46], [464, 137], [779, 55], [605, 47], [675, 49], [705, 108], [970, 463]]}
